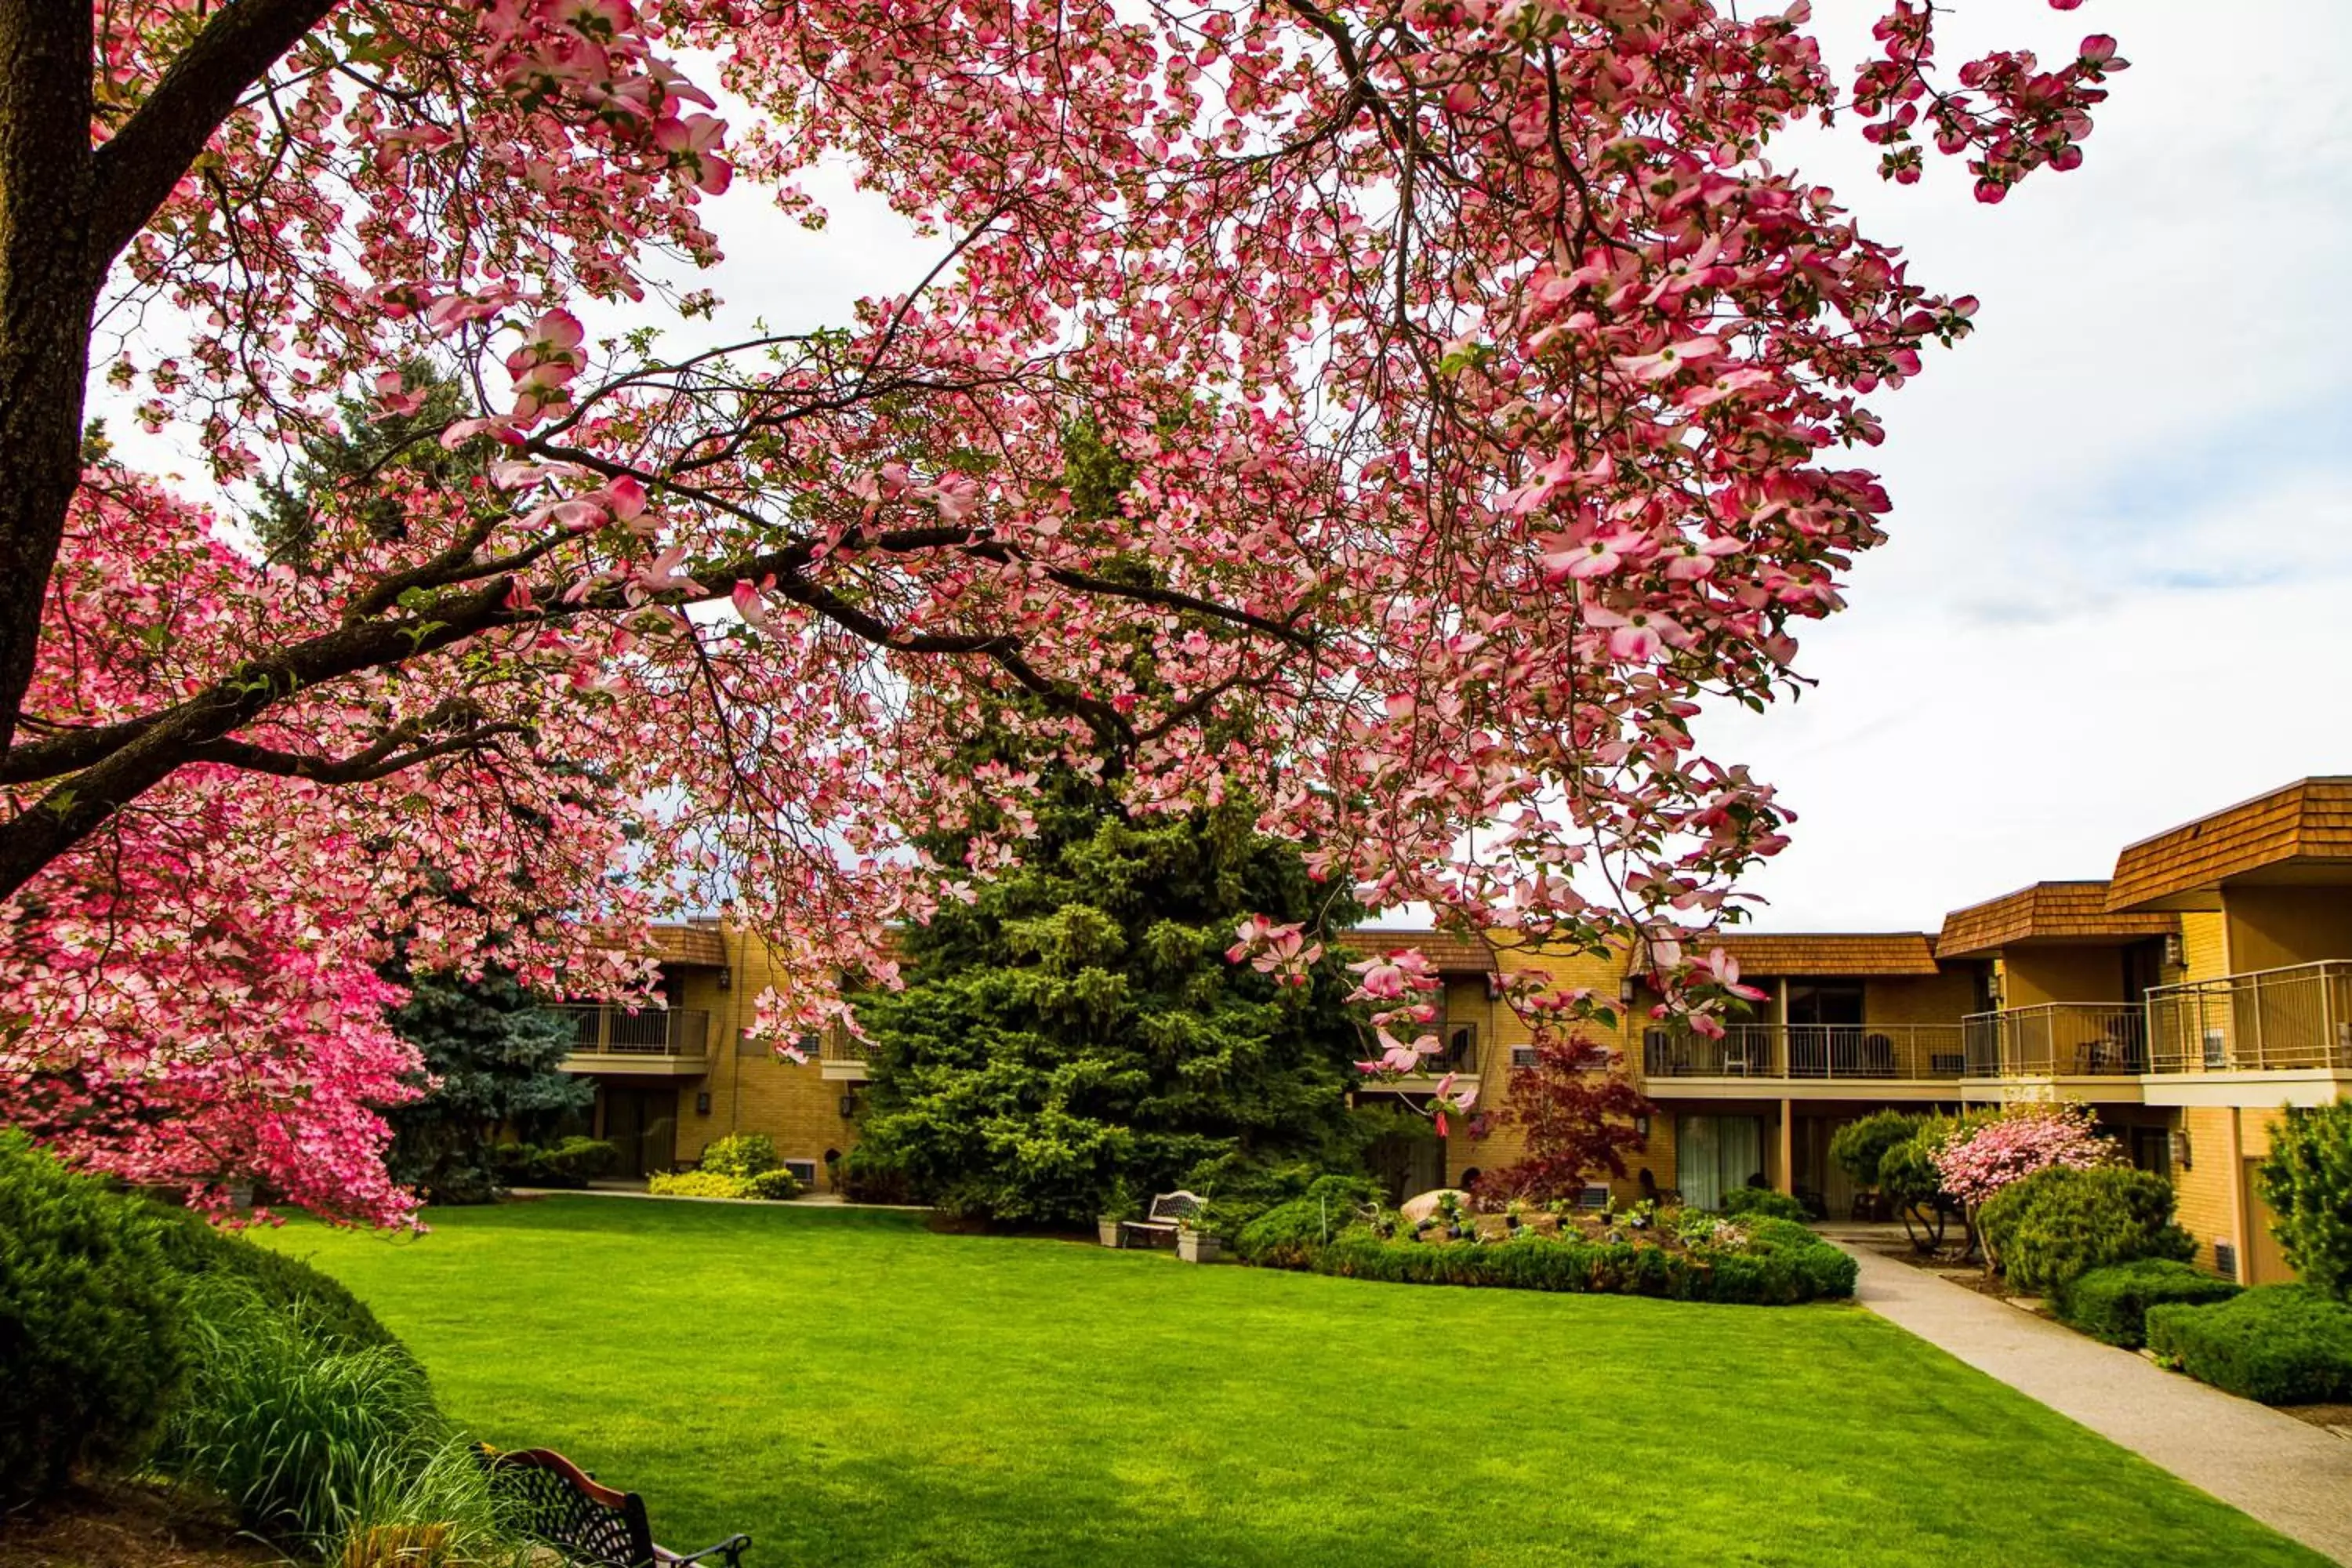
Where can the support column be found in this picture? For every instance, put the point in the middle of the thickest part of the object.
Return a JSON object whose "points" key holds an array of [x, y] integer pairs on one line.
{"points": [[2239, 1232], [1788, 1174]]}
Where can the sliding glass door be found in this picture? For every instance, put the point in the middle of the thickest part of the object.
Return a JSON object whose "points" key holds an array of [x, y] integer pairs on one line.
{"points": [[1714, 1154]]}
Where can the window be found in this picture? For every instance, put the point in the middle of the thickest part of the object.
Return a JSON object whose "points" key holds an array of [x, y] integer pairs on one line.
{"points": [[803, 1171], [1714, 1154], [1595, 1196], [1523, 1056]]}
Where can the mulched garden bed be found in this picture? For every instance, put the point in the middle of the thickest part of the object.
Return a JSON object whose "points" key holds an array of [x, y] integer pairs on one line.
{"points": [[125, 1525]]}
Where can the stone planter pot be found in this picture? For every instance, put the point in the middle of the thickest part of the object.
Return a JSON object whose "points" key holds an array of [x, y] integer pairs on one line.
{"points": [[1196, 1247], [1107, 1230]]}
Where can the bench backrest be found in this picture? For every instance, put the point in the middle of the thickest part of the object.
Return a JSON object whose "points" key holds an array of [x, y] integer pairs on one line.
{"points": [[1179, 1206], [551, 1500]]}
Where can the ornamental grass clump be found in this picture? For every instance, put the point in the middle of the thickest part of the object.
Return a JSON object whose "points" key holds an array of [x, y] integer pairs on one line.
{"points": [[291, 1426]]}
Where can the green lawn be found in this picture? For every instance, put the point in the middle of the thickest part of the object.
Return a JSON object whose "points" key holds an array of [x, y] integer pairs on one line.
{"points": [[852, 1389]]}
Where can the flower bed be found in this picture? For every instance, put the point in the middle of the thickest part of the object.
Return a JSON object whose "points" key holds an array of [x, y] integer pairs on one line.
{"points": [[1679, 1254]]}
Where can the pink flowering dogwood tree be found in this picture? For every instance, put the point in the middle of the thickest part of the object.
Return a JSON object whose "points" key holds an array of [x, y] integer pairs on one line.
{"points": [[1980, 1161], [1447, 396]]}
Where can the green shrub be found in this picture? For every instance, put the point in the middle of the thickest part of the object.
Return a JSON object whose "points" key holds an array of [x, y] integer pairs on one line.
{"points": [[573, 1163], [2057, 1224], [2112, 1303], [1858, 1146], [868, 1177], [576, 1161], [90, 1336], [1773, 1274], [2308, 1181], [774, 1185], [1826, 1270], [695, 1185], [2283, 1344], [284, 1422], [1907, 1175], [741, 1154], [198, 1249], [1764, 1201]]}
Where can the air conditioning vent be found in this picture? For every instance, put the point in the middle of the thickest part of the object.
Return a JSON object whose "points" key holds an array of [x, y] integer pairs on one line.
{"points": [[2225, 1258]]}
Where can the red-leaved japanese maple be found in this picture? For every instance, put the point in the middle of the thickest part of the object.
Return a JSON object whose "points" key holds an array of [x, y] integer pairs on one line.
{"points": [[1574, 1112], [1444, 395]]}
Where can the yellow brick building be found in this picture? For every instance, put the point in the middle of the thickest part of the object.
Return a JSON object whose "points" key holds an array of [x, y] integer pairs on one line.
{"points": [[2205, 985]]}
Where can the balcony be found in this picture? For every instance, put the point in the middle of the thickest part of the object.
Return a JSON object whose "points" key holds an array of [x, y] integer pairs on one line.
{"points": [[2292, 1020], [1805, 1060], [654, 1042], [843, 1058], [2058, 1040]]}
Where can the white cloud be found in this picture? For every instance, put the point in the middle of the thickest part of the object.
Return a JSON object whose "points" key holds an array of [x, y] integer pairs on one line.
{"points": [[2118, 592]]}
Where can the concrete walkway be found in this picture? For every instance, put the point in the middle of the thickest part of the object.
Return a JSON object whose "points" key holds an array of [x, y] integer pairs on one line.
{"points": [[2293, 1477]]}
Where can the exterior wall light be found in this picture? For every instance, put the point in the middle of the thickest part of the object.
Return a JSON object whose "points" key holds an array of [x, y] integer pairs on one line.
{"points": [[702, 1103], [2180, 1147]]}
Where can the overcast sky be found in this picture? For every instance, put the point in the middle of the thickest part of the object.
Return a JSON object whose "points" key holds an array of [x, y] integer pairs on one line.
{"points": [[2118, 590]]}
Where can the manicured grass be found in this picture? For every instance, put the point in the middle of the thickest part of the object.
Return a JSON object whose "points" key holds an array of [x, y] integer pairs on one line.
{"points": [[852, 1389]]}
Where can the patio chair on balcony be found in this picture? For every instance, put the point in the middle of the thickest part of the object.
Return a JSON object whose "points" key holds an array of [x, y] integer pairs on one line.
{"points": [[1877, 1057]]}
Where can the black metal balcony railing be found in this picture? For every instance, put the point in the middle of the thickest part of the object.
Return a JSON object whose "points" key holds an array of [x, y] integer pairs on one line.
{"points": [[2058, 1039], [602, 1031], [1806, 1051], [2297, 1018]]}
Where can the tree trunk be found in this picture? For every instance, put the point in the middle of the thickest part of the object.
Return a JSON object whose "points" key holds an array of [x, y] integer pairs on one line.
{"points": [[46, 295]]}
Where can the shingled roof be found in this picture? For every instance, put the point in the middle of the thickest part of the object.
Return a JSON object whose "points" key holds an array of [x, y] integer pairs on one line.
{"points": [[2304, 826], [2044, 912], [1829, 953], [696, 945], [1447, 952]]}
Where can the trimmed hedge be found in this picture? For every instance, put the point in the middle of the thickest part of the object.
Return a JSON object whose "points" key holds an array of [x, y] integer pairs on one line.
{"points": [[741, 1154], [91, 1346], [2111, 1304], [1857, 1146], [2058, 1224], [1773, 1273], [1286, 1236], [773, 1186], [1763, 1201], [573, 1163], [2283, 1344], [287, 1285]]}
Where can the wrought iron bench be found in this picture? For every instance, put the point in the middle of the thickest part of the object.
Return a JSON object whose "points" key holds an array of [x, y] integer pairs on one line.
{"points": [[553, 1500], [1167, 1214]]}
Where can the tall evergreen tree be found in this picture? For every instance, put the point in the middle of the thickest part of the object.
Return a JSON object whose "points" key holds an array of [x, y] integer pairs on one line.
{"points": [[1078, 1029], [498, 1058]]}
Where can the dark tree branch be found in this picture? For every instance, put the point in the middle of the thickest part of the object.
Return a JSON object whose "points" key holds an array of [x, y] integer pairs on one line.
{"points": [[137, 170]]}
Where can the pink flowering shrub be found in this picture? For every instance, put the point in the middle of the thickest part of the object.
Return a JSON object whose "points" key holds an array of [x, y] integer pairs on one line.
{"points": [[2027, 1138]]}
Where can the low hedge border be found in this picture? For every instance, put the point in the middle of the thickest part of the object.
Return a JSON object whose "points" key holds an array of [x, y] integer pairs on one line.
{"points": [[2281, 1344], [2111, 1304], [1776, 1271]]}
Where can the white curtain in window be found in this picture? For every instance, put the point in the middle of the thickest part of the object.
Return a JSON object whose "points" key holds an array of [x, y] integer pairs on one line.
{"points": [[1715, 1154]]}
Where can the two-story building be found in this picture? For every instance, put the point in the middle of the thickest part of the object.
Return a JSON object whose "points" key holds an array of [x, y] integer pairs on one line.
{"points": [[2187, 998]]}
